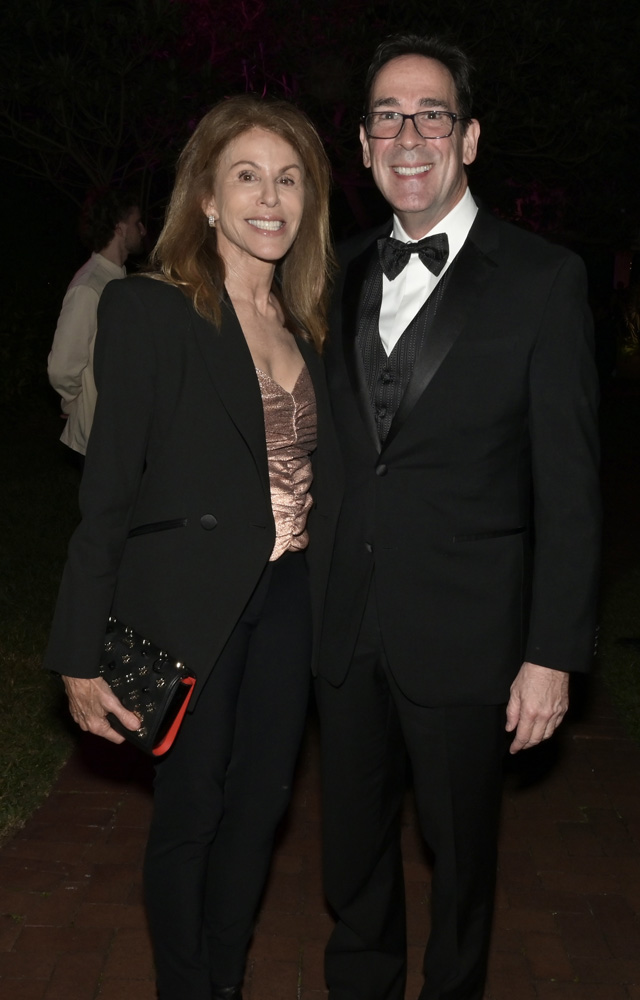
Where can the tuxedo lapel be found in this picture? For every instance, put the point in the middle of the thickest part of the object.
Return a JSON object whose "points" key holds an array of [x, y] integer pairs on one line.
{"points": [[469, 272], [230, 366]]}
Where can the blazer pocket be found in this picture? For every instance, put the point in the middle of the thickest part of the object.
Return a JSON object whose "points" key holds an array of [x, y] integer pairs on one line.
{"points": [[490, 534], [147, 529]]}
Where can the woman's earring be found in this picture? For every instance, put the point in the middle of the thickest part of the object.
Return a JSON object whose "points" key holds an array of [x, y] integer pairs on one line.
{"points": [[212, 221]]}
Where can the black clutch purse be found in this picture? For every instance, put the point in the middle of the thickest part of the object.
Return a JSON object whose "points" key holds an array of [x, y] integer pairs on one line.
{"points": [[148, 682]]}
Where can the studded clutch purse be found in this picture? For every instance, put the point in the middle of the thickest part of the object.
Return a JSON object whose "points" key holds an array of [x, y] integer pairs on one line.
{"points": [[148, 682]]}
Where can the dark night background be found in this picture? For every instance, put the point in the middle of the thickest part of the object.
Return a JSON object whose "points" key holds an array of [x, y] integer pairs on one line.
{"points": [[97, 92]]}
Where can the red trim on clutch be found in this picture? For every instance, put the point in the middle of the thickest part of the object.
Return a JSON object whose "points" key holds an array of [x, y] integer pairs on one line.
{"points": [[172, 732]]}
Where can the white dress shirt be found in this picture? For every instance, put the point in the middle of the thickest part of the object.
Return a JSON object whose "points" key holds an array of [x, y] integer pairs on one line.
{"points": [[403, 297], [70, 363]]}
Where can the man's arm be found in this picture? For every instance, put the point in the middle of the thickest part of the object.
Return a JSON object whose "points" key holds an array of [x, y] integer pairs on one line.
{"points": [[73, 341], [563, 394], [563, 431]]}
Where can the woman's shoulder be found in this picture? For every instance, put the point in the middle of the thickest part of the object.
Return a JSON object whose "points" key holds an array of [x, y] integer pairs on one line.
{"points": [[148, 289], [145, 313]]}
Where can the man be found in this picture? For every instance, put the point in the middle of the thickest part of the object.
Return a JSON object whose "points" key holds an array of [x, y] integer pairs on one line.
{"points": [[464, 573], [112, 227]]}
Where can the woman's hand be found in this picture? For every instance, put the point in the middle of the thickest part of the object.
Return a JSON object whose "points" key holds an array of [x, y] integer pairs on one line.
{"points": [[90, 698]]}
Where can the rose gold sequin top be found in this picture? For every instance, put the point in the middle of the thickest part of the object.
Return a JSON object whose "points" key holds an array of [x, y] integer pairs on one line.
{"points": [[291, 432]]}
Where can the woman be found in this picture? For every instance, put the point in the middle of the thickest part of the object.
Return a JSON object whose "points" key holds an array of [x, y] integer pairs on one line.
{"points": [[195, 499]]}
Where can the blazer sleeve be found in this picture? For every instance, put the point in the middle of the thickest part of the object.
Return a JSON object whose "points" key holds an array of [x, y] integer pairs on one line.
{"points": [[125, 370], [563, 400]]}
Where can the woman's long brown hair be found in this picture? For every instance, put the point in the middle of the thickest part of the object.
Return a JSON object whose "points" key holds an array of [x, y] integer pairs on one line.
{"points": [[186, 253]]}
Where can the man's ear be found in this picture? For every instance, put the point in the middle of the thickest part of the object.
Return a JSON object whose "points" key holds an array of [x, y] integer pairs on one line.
{"points": [[366, 152], [470, 141]]}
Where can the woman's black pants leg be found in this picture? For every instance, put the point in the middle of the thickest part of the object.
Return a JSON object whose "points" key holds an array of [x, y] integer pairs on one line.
{"points": [[223, 788]]}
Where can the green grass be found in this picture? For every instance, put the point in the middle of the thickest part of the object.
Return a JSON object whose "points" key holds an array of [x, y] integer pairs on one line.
{"points": [[38, 508], [619, 662]]}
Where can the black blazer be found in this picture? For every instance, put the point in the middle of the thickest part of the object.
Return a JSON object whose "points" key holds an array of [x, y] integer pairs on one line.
{"points": [[495, 441], [176, 512]]}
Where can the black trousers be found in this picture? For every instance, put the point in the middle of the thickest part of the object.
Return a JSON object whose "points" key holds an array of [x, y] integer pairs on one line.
{"points": [[221, 791], [456, 754]]}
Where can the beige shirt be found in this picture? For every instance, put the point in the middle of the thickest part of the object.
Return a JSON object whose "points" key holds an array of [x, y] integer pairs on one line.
{"points": [[70, 363], [291, 431]]}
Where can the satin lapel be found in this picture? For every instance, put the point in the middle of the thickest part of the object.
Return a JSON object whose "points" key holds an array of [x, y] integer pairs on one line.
{"points": [[315, 367], [327, 438], [230, 366], [469, 273], [354, 282]]}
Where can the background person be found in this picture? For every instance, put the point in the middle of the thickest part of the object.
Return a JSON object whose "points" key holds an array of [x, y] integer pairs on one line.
{"points": [[464, 573], [112, 227], [195, 497]]}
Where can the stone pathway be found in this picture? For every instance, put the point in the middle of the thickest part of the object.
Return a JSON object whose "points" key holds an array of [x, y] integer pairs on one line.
{"points": [[567, 921]]}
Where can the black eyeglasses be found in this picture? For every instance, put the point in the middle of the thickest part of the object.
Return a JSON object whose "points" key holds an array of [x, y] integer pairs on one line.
{"points": [[428, 124]]}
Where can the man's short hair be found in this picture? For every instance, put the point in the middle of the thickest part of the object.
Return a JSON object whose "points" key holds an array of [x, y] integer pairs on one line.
{"points": [[101, 213], [432, 47]]}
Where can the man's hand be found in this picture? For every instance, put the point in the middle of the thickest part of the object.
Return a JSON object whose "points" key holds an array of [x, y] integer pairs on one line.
{"points": [[538, 702], [90, 698]]}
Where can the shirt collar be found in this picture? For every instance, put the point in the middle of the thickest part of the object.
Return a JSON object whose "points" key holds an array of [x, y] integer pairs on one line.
{"points": [[113, 269], [456, 224]]}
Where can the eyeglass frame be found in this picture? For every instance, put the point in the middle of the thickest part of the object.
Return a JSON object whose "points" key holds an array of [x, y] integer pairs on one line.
{"points": [[449, 114]]}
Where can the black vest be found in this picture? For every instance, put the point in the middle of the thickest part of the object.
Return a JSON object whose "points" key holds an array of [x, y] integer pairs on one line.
{"points": [[388, 377]]}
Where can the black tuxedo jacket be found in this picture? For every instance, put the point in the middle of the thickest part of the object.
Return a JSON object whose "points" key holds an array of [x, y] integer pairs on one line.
{"points": [[176, 511], [481, 510]]}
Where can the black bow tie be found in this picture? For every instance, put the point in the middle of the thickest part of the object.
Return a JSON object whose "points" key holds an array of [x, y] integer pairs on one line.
{"points": [[394, 255]]}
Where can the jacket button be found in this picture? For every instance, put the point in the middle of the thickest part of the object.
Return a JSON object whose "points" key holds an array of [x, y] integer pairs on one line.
{"points": [[369, 547], [208, 522], [381, 470]]}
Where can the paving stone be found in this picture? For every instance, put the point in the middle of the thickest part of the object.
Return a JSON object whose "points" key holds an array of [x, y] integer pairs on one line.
{"points": [[510, 978], [580, 839], [10, 929], [518, 869], [573, 881], [284, 892], [27, 964], [54, 909], [111, 883], [76, 976], [38, 875], [580, 991], [619, 923], [288, 864], [547, 956], [582, 935], [312, 965], [613, 971], [127, 963], [112, 915], [56, 851], [22, 989], [34, 940], [127, 989], [114, 853], [271, 980], [522, 919]]}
